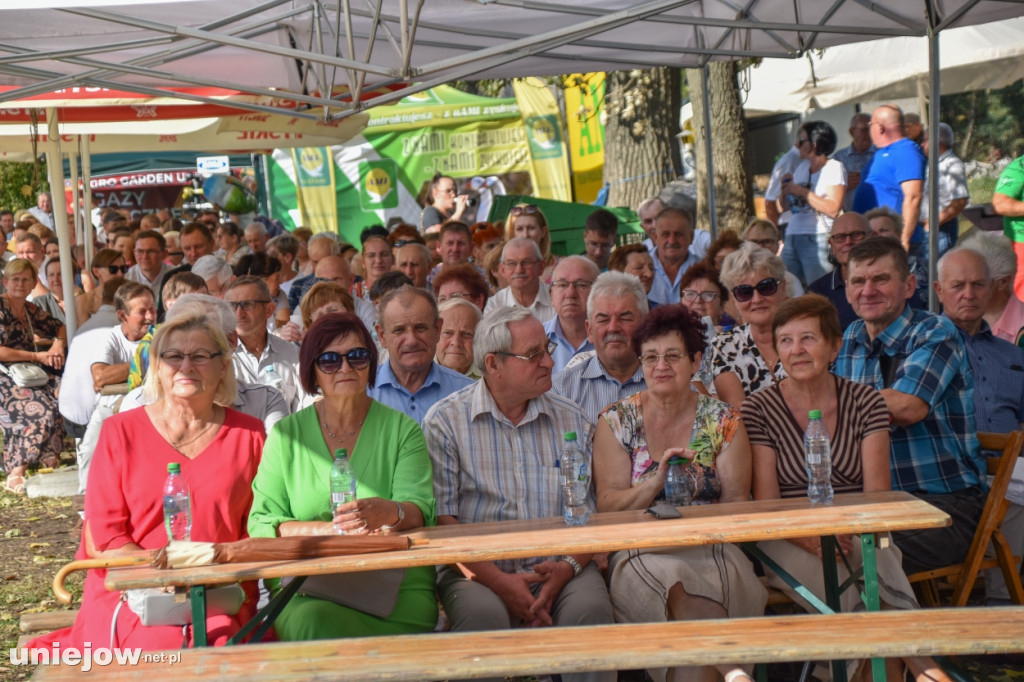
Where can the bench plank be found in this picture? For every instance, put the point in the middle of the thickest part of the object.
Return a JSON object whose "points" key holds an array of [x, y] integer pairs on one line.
{"points": [[45, 622], [610, 531], [610, 647]]}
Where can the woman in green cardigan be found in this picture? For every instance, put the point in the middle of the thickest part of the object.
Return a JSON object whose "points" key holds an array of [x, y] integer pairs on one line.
{"points": [[394, 488]]}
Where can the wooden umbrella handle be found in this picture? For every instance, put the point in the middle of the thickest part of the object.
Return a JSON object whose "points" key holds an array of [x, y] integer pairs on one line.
{"points": [[135, 559]]}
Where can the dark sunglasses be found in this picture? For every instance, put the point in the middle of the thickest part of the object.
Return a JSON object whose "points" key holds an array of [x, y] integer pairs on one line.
{"points": [[745, 292], [117, 269], [528, 209], [331, 362]]}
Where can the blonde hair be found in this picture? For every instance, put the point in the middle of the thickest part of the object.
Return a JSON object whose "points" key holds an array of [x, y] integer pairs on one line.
{"points": [[545, 241], [21, 265], [227, 391]]}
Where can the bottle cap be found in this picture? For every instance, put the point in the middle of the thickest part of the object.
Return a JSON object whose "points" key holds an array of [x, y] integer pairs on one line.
{"points": [[173, 468], [340, 453], [570, 435], [675, 459], [814, 414]]}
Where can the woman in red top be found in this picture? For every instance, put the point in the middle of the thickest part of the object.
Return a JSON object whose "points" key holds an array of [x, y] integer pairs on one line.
{"points": [[218, 449]]}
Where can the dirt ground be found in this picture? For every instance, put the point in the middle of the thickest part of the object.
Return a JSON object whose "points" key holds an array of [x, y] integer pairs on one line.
{"points": [[39, 536]]}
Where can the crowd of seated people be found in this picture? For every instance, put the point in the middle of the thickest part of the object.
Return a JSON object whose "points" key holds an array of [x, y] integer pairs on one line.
{"points": [[449, 362]]}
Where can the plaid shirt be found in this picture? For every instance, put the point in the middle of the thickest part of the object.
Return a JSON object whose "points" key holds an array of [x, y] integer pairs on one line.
{"points": [[592, 388], [488, 469], [940, 453]]}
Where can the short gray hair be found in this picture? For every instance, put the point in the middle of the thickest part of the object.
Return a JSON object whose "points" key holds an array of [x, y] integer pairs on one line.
{"points": [[210, 266], [203, 304], [453, 303], [518, 242], [613, 284], [258, 227], [747, 259], [996, 249], [329, 236], [581, 260], [285, 243], [941, 266], [945, 135], [648, 202], [493, 334], [421, 248]]}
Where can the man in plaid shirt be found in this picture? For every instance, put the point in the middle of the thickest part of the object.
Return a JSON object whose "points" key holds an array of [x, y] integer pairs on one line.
{"points": [[919, 363]]}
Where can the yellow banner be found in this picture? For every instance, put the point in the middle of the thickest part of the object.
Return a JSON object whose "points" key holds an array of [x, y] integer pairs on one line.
{"points": [[550, 167], [315, 189], [584, 95]]}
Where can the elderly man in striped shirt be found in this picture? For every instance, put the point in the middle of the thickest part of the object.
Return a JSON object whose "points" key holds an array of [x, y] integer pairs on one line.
{"points": [[494, 445]]}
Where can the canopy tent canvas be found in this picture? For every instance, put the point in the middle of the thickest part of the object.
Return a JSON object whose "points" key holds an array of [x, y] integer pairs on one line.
{"points": [[973, 58]]}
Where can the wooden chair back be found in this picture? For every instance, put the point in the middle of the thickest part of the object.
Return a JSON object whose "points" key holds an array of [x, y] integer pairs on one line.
{"points": [[963, 576]]}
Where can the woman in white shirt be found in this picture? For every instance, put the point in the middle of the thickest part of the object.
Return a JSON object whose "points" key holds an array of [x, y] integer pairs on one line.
{"points": [[814, 197]]}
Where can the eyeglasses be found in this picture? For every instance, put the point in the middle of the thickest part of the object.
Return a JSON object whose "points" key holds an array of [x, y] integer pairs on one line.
{"points": [[852, 237], [528, 209], [671, 358], [331, 362], [445, 297], [200, 358], [578, 285], [534, 357], [745, 292], [693, 295], [246, 306], [117, 269], [515, 264]]}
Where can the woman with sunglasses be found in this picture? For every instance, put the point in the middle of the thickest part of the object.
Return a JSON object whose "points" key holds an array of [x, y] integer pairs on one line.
{"points": [[807, 334], [633, 442], [189, 423], [394, 480], [813, 195], [527, 220], [743, 359], [106, 264]]}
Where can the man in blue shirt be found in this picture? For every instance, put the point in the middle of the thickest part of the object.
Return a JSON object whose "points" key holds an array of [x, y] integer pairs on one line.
{"points": [[964, 287], [571, 281], [673, 234], [918, 362], [409, 328], [895, 175]]}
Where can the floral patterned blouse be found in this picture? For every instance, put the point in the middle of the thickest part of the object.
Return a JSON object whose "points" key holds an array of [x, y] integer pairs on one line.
{"points": [[714, 426]]}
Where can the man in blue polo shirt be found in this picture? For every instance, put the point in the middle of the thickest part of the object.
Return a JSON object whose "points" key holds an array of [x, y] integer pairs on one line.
{"points": [[894, 176], [673, 234], [964, 287], [409, 328], [918, 361]]}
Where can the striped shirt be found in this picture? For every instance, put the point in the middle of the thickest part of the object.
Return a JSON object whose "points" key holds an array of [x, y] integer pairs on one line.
{"points": [[940, 453], [588, 385], [488, 469], [861, 412]]}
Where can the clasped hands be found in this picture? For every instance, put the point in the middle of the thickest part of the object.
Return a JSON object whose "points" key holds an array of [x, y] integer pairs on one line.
{"points": [[514, 591]]}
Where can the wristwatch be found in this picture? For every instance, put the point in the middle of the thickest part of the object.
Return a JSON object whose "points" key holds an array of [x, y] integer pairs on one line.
{"points": [[576, 568], [387, 528]]}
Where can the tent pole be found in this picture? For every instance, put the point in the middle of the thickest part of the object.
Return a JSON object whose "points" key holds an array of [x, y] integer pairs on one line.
{"points": [[933, 166], [73, 167], [55, 170], [712, 207], [90, 229]]}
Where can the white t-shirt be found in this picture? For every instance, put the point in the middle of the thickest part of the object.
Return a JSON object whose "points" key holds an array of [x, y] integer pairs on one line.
{"points": [[803, 218]]}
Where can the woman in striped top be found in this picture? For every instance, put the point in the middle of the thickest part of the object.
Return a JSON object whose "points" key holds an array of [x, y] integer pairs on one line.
{"points": [[807, 336]]}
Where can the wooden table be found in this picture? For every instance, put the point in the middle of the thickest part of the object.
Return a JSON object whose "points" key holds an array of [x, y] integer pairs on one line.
{"points": [[740, 522]]}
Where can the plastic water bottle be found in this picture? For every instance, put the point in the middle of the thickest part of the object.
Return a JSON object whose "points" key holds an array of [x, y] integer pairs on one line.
{"points": [[270, 377], [343, 484], [818, 458], [575, 472], [677, 490], [177, 507]]}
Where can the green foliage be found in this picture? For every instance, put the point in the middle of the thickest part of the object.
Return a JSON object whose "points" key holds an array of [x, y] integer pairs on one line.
{"points": [[986, 122], [19, 183]]}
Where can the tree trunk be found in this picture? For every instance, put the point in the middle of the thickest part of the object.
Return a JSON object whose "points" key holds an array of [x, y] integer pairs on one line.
{"points": [[734, 200], [642, 120]]}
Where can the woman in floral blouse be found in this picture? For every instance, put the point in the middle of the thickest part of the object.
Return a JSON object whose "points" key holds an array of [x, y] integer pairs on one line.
{"points": [[633, 442]]}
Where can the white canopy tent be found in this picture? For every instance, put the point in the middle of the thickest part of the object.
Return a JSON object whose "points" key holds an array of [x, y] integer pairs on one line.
{"points": [[342, 57], [973, 58]]}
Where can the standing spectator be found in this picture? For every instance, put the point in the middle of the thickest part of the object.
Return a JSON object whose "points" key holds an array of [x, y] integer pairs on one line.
{"points": [[444, 203], [783, 167], [953, 193], [1008, 201], [814, 195], [673, 234], [895, 176], [857, 156]]}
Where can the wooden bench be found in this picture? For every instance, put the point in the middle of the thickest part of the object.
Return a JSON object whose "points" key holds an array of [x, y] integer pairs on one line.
{"points": [[35, 624], [539, 651]]}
